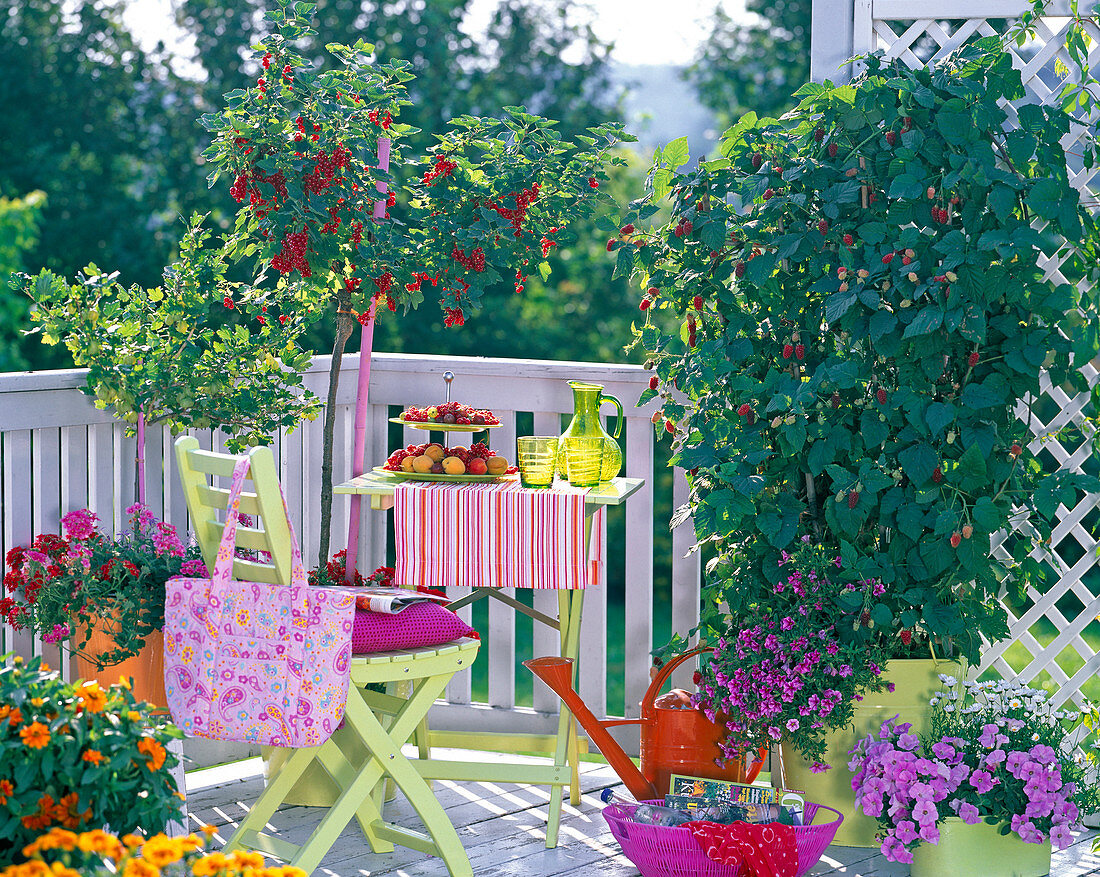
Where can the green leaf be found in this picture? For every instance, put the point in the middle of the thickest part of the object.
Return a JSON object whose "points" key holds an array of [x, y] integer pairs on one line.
{"points": [[939, 415], [1046, 196], [986, 515], [980, 396], [918, 461], [676, 154], [838, 304], [624, 262], [971, 471], [927, 320], [882, 323], [1002, 200], [821, 453]]}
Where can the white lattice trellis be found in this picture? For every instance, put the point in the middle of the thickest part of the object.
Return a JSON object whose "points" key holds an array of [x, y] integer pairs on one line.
{"points": [[1045, 646]]}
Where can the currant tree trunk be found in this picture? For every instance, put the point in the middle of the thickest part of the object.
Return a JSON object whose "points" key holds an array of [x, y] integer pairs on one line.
{"points": [[345, 325]]}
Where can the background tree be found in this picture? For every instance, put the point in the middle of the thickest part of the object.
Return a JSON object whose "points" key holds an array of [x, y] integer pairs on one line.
{"points": [[106, 130], [755, 66], [19, 219]]}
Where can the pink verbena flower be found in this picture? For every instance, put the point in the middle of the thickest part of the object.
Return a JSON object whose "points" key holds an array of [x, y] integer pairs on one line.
{"points": [[80, 524], [194, 569], [59, 633]]}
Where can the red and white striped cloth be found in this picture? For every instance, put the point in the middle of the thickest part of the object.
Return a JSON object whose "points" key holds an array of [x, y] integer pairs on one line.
{"points": [[494, 535]]}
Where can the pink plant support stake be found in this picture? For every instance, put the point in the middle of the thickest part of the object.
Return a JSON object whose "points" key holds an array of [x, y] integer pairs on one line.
{"points": [[140, 459], [366, 344]]}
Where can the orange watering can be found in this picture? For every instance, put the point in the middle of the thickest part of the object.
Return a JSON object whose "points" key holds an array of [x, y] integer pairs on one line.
{"points": [[673, 740]]}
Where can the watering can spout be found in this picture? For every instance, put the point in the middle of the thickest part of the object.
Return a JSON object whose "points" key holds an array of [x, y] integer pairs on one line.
{"points": [[557, 673]]}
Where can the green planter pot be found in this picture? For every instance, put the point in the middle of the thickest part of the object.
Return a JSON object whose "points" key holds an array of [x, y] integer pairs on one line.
{"points": [[965, 850], [914, 683]]}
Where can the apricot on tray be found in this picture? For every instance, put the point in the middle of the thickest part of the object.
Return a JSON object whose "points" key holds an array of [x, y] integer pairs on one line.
{"points": [[453, 466]]}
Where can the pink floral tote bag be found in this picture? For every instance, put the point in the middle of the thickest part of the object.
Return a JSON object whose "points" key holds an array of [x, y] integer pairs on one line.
{"points": [[252, 662]]}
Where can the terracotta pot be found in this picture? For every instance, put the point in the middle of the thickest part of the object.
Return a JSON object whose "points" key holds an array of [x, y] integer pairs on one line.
{"points": [[965, 850], [914, 683], [146, 668]]}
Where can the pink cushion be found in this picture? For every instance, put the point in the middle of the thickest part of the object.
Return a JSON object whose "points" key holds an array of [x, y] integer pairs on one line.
{"points": [[414, 627]]}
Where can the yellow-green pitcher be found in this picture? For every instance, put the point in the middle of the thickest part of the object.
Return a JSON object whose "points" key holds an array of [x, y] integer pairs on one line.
{"points": [[587, 399]]}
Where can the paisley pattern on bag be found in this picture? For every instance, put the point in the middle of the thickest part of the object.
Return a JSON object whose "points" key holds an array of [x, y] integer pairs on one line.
{"points": [[256, 663]]}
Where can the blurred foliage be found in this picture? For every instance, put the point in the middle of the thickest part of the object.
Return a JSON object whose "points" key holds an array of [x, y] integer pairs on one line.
{"points": [[19, 218], [755, 66]]}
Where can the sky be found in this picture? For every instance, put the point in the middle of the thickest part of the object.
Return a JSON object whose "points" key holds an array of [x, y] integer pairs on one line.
{"points": [[643, 31]]}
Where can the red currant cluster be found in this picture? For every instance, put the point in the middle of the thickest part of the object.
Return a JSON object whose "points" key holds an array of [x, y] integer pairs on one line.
{"points": [[524, 199], [320, 178], [293, 255], [443, 167], [451, 412], [474, 262], [384, 122], [453, 317]]}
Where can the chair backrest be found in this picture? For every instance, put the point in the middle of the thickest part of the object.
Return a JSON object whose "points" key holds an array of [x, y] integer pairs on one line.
{"points": [[206, 504]]}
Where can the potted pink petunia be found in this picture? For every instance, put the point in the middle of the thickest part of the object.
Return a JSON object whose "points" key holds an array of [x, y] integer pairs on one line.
{"points": [[990, 789]]}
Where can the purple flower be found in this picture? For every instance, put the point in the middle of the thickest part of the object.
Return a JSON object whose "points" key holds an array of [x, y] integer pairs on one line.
{"points": [[1061, 837], [968, 813], [1043, 754], [908, 741], [59, 632], [989, 736], [792, 725], [36, 557], [982, 781], [906, 831], [786, 623], [943, 751]]}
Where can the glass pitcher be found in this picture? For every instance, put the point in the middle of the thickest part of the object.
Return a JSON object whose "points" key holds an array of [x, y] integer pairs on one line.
{"points": [[587, 399]]}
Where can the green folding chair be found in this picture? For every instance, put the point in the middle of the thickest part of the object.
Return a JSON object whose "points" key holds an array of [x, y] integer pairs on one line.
{"points": [[380, 723]]}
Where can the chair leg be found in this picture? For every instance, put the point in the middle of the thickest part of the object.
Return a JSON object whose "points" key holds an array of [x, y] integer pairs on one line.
{"points": [[272, 796]]}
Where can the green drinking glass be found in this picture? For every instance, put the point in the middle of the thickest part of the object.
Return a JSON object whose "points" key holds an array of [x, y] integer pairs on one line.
{"points": [[537, 458]]}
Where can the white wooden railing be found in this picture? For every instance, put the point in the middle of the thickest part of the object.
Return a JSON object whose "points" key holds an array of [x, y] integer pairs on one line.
{"points": [[58, 453]]}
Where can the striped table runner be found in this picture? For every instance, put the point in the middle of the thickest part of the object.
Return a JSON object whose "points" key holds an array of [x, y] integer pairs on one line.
{"points": [[494, 535]]}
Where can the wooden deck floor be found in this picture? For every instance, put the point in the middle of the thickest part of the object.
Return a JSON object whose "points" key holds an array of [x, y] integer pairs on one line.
{"points": [[503, 830]]}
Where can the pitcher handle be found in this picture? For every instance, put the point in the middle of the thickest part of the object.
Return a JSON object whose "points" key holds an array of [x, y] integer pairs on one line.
{"points": [[604, 397]]}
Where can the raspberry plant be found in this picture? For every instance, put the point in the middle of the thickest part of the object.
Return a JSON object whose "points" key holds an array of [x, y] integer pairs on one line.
{"points": [[864, 303], [487, 206]]}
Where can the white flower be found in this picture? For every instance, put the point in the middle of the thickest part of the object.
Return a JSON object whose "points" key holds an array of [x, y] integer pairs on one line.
{"points": [[934, 701], [949, 708], [1034, 738], [949, 681], [1015, 703]]}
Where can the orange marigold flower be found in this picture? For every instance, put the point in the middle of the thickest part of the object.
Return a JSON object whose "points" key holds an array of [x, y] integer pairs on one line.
{"points": [[139, 868], [93, 756], [156, 753], [35, 735], [54, 839], [209, 830], [210, 864], [99, 841], [243, 859], [133, 716], [161, 850], [6, 788], [38, 701], [15, 717], [133, 840], [92, 697]]}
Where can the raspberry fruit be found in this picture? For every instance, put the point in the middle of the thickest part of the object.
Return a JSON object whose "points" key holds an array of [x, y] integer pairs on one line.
{"points": [[823, 226], [906, 636], [653, 382], [848, 240], [757, 160], [819, 134], [644, 304], [611, 244], [955, 539], [768, 194], [832, 150], [937, 475], [669, 427], [881, 396], [745, 408], [853, 499], [697, 302], [800, 351], [1015, 451], [788, 350], [891, 137], [739, 270], [967, 531], [627, 229], [888, 258], [973, 359]]}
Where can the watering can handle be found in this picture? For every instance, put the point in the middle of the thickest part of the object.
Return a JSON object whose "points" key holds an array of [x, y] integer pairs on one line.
{"points": [[664, 673], [604, 397]]}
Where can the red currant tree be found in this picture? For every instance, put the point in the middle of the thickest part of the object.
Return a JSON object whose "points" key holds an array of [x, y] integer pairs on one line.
{"points": [[301, 145]]}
